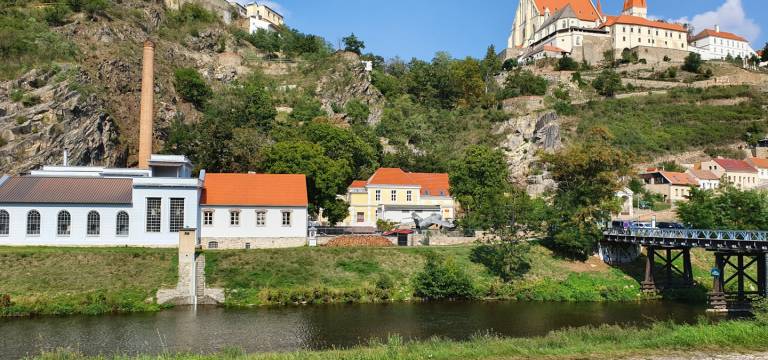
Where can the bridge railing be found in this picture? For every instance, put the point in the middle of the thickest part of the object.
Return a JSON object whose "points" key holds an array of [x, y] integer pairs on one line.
{"points": [[690, 234]]}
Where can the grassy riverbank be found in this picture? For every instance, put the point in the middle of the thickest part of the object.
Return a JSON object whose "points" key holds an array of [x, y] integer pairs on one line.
{"points": [[607, 342], [327, 275], [63, 281]]}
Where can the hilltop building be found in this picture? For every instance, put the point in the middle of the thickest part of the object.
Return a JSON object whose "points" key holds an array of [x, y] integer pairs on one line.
{"points": [[149, 205], [261, 16], [580, 29], [225, 9], [715, 44], [392, 194]]}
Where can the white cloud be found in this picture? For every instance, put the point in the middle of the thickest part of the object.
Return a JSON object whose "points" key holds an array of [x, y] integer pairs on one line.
{"points": [[273, 5], [730, 16]]}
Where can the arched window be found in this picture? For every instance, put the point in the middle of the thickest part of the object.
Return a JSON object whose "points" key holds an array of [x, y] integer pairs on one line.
{"points": [[122, 224], [94, 223], [5, 223], [33, 223], [63, 223]]}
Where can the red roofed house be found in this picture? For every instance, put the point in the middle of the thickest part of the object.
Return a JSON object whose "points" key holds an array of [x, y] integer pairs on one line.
{"points": [[394, 195], [761, 165], [737, 172], [673, 186], [716, 44], [246, 211], [632, 29]]}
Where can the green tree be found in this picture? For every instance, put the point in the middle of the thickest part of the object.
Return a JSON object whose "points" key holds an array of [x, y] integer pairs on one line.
{"points": [[692, 63], [353, 44], [727, 209], [307, 109], [509, 64], [566, 63], [479, 182], [491, 63], [326, 177], [443, 279], [191, 86], [588, 174], [244, 104], [607, 83], [344, 144], [523, 83], [357, 112]]}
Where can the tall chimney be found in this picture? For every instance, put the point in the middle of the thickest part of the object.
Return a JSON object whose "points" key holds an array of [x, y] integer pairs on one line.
{"points": [[147, 104], [717, 28]]}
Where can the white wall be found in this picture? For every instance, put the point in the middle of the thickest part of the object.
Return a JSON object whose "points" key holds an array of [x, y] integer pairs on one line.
{"points": [[717, 48], [274, 228], [630, 36], [165, 237]]}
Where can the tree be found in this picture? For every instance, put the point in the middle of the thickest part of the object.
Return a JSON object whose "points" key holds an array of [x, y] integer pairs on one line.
{"points": [[509, 64], [191, 86], [479, 182], [588, 175], [491, 64], [566, 63], [607, 83], [764, 57], [524, 83], [326, 177], [353, 44], [441, 279], [357, 112], [727, 209], [344, 144], [307, 109], [245, 103], [692, 63]]}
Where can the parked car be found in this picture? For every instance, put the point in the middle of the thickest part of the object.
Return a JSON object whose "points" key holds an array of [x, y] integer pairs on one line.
{"points": [[669, 225], [642, 225]]}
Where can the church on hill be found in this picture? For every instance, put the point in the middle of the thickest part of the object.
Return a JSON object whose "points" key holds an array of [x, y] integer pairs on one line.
{"points": [[580, 29]]}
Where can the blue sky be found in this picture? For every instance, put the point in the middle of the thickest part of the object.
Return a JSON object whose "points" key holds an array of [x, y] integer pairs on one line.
{"points": [[419, 28]]}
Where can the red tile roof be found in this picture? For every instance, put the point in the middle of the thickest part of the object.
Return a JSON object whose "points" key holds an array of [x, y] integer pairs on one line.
{"points": [[583, 9], [636, 20], [677, 178], [628, 4], [66, 190], [358, 184], [731, 165], [432, 184], [759, 163], [722, 34], [255, 190], [703, 174], [553, 48]]}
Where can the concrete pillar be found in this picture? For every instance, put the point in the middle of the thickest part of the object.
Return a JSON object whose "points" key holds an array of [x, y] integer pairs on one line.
{"points": [[147, 104]]}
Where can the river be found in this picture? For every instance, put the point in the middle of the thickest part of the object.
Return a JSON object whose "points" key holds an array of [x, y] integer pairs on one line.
{"points": [[207, 330]]}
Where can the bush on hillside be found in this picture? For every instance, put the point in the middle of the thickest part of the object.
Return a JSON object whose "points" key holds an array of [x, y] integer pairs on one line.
{"points": [[607, 83], [566, 63], [507, 260], [523, 83], [191, 86], [509, 64], [357, 112], [443, 279], [692, 63]]}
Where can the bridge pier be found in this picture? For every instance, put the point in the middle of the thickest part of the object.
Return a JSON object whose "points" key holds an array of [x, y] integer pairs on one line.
{"points": [[743, 275], [667, 255]]}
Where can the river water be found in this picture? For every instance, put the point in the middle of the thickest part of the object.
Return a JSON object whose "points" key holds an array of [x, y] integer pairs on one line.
{"points": [[207, 330]]}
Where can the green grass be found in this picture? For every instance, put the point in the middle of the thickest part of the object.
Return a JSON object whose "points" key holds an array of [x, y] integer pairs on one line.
{"points": [[675, 122], [606, 342], [62, 281], [332, 275]]}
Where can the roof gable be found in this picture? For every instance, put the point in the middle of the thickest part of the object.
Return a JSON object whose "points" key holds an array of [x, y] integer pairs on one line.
{"points": [[583, 9], [431, 184], [67, 190], [719, 34], [255, 190]]}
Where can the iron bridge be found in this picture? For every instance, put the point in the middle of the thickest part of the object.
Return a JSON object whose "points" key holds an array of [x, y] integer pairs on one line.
{"points": [[708, 239]]}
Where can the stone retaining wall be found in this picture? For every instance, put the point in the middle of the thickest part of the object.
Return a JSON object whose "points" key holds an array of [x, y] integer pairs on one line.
{"points": [[255, 243]]}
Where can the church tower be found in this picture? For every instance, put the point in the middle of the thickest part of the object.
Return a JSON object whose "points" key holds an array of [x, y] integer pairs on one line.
{"points": [[635, 8]]}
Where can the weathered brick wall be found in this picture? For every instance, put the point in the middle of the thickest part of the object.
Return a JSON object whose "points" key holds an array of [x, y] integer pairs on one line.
{"points": [[592, 49]]}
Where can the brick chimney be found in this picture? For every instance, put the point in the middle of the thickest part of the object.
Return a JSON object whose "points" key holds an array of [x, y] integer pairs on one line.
{"points": [[147, 105]]}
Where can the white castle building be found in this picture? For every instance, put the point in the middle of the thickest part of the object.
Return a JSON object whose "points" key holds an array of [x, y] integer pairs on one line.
{"points": [[149, 205], [580, 29], [715, 44]]}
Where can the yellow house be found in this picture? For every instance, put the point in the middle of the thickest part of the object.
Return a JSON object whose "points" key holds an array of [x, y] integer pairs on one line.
{"points": [[737, 172], [395, 195], [261, 16]]}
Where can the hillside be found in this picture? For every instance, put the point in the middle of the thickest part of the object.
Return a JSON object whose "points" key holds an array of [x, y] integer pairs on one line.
{"points": [[69, 79]]}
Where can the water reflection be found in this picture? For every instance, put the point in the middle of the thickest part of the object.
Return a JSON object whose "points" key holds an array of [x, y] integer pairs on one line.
{"points": [[206, 330]]}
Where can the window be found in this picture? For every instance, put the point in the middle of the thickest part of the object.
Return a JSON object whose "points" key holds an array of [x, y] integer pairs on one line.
{"points": [[393, 195], [213, 245], [234, 218], [378, 214], [208, 217], [153, 215], [5, 223], [63, 223], [261, 218], [247, 246], [360, 217], [286, 218], [33, 223], [409, 195], [94, 223], [176, 219], [378, 195], [122, 226]]}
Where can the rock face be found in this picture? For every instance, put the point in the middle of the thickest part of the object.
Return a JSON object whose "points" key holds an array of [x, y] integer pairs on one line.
{"points": [[43, 113], [527, 135], [346, 82]]}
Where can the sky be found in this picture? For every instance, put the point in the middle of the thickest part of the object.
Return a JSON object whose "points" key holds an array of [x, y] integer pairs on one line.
{"points": [[420, 28]]}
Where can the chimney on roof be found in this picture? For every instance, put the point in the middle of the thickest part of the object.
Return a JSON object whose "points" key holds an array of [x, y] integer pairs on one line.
{"points": [[717, 28], [147, 104]]}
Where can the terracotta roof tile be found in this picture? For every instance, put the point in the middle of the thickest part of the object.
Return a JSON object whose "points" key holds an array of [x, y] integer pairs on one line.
{"points": [[628, 4], [357, 184], [66, 190], [703, 174], [432, 184], [583, 8], [677, 178], [636, 20], [255, 190], [722, 34], [732, 165], [553, 48], [759, 163]]}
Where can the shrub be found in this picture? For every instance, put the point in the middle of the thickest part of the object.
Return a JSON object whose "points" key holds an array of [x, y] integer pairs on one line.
{"points": [[357, 111], [384, 282], [443, 279], [760, 310], [524, 83], [507, 260], [667, 58], [607, 83], [566, 63], [692, 63], [17, 95], [509, 64], [191, 86]]}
